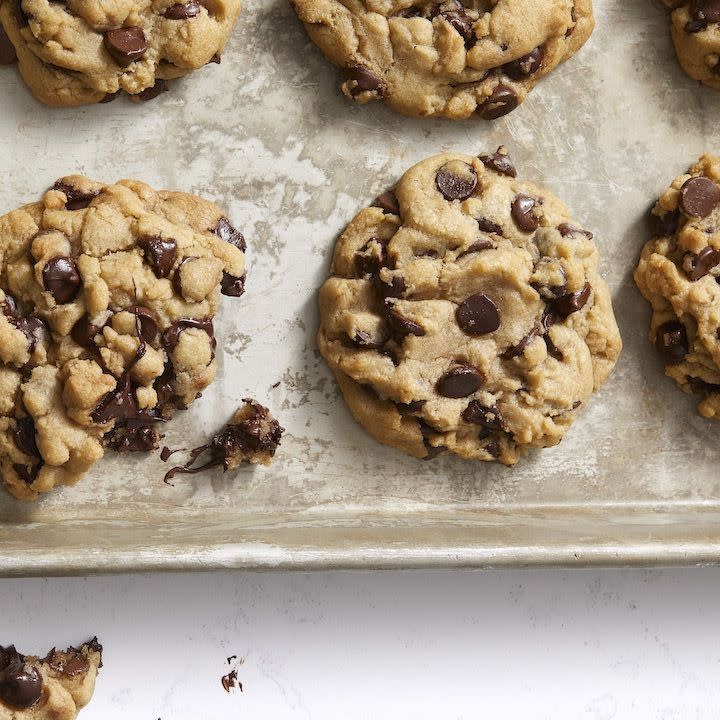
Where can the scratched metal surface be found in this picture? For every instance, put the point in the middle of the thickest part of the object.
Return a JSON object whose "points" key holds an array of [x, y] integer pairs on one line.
{"points": [[268, 137]]}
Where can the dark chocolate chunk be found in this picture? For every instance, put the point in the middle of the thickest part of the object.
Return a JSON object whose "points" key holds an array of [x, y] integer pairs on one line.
{"points": [[432, 450], [501, 101], [126, 44], [699, 196], [225, 231], [182, 11], [460, 381], [571, 302], [672, 342], [488, 417], [70, 663], [705, 10], [500, 162], [28, 474], [160, 253], [61, 279], [522, 207], [493, 449], [395, 289], [454, 186], [526, 65], [232, 286], [171, 336], [478, 315], [462, 23], [371, 256], [365, 341]]}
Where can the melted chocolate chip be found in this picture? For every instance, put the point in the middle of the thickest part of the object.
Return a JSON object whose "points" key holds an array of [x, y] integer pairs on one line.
{"points": [[182, 11], [461, 381], [454, 186], [672, 342], [171, 336], [132, 439], [146, 322], [548, 320], [126, 44], [232, 286], [28, 474], [76, 199], [489, 226], [400, 326], [571, 302], [526, 65], [61, 279], [84, 332], [478, 315], [519, 349], [703, 263], [151, 93], [362, 80], [500, 162], [488, 417], [699, 196], [24, 436], [70, 663], [522, 207], [20, 685], [30, 325], [501, 101], [395, 289], [388, 202], [567, 230], [412, 407], [462, 23], [225, 231], [119, 404], [160, 253], [371, 256]]}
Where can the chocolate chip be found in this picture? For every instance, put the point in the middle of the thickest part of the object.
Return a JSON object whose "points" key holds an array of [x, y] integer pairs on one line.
{"points": [[519, 349], [365, 341], [126, 44], [522, 207], [413, 406], [28, 474], [109, 97], [232, 286], [76, 199], [493, 449], [362, 79], [427, 431], [672, 342], [667, 224], [400, 326], [24, 436], [152, 92], [501, 101], [705, 10], [462, 24], [567, 230], [132, 439], [84, 332], [695, 26], [526, 65], [478, 315], [478, 246], [395, 289], [30, 325], [371, 257], [118, 404], [225, 231], [61, 279], [478, 414], [500, 162], [70, 663], [20, 685], [160, 253], [571, 302], [182, 11], [703, 263], [388, 202], [461, 381], [547, 321], [454, 186], [7, 49], [699, 196], [489, 226], [171, 336], [146, 321]]}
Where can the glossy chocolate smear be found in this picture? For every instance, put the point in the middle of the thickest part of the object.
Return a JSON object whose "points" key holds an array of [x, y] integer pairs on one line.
{"points": [[76, 199], [182, 11], [672, 342], [459, 382], [225, 231], [456, 180], [70, 663], [160, 253], [20, 685], [478, 246], [500, 162], [462, 23], [501, 101], [61, 279], [364, 80], [699, 196], [478, 315], [126, 45]]}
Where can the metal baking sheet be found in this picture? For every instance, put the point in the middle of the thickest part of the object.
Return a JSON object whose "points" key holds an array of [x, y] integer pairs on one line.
{"points": [[267, 135]]}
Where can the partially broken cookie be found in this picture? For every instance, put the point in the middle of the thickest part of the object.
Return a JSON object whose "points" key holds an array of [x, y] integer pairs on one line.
{"points": [[252, 436], [107, 299], [55, 687]]}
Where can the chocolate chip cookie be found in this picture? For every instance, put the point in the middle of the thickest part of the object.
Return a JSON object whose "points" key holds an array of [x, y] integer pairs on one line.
{"points": [[695, 29], [679, 272], [107, 298], [448, 58], [86, 51], [465, 312], [55, 687]]}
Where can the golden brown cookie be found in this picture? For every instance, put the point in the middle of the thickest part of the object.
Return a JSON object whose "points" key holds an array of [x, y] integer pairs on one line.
{"points": [[465, 312]]}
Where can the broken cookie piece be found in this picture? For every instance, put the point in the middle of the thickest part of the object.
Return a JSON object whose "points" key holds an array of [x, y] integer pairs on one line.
{"points": [[55, 687], [251, 436]]}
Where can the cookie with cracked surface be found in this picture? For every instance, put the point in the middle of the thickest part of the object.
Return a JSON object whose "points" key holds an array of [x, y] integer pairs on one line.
{"points": [[678, 273], [55, 687], [695, 30], [448, 58], [465, 312], [86, 51], [107, 299]]}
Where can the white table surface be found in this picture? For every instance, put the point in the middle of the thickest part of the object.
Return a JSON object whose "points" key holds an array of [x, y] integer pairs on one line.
{"points": [[596, 644]]}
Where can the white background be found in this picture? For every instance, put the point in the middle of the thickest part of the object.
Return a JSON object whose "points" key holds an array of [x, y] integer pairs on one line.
{"points": [[501, 644]]}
